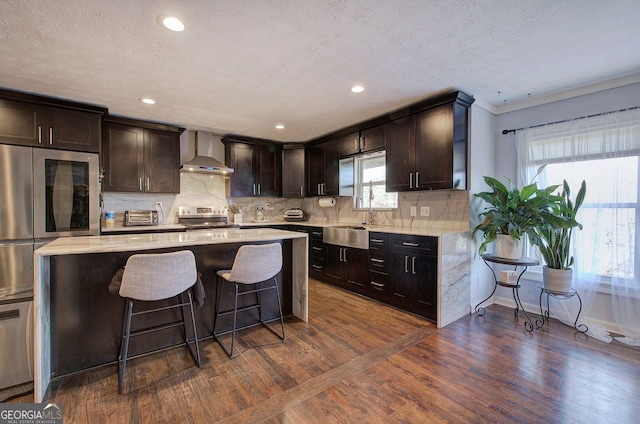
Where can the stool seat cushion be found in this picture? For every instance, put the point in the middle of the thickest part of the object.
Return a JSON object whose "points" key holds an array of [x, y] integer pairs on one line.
{"points": [[158, 276], [255, 263]]}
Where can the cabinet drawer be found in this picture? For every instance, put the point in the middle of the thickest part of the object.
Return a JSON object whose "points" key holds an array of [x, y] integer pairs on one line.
{"points": [[378, 241], [379, 261], [379, 286], [417, 244], [316, 234], [317, 250], [316, 269]]}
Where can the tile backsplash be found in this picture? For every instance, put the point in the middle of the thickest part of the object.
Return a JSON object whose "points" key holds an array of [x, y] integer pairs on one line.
{"points": [[448, 209]]}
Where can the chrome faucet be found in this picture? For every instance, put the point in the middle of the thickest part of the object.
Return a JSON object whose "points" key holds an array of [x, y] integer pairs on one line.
{"points": [[372, 214]]}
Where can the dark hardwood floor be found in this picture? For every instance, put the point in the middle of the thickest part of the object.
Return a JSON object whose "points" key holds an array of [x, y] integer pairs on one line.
{"points": [[357, 361]]}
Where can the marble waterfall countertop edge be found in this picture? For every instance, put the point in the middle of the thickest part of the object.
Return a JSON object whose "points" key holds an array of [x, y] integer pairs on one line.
{"points": [[135, 242]]}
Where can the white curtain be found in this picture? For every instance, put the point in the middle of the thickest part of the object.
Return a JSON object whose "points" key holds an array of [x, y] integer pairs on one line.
{"points": [[604, 151]]}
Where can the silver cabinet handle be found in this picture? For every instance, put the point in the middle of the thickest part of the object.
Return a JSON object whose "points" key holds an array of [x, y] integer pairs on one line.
{"points": [[39, 135], [345, 254], [377, 260], [413, 265], [259, 190], [380, 285], [318, 249], [140, 183], [50, 135], [148, 184], [356, 143], [410, 179], [377, 241], [301, 191], [417, 179], [316, 267], [406, 243], [362, 144], [406, 264], [315, 233]]}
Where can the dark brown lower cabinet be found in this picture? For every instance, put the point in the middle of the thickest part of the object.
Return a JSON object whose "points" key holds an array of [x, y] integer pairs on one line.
{"points": [[415, 283], [317, 255], [347, 267], [397, 269]]}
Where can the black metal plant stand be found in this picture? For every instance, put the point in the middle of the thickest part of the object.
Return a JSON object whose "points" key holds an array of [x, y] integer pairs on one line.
{"points": [[524, 263], [582, 328]]}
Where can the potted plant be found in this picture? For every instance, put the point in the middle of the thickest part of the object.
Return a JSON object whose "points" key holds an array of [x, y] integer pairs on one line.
{"points": [[554, 242], [512, 213]]}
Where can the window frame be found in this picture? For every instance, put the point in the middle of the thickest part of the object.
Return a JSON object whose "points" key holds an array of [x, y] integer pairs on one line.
{"points": [[358, 184]]}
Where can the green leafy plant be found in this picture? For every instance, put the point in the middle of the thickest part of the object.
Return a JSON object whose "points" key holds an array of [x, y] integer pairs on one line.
{"points": [[516, 212], [554, 241]]}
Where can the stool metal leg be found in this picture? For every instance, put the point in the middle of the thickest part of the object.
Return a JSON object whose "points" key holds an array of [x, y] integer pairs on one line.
{"points": [[196, 356], [275, 282], [124, 343]]}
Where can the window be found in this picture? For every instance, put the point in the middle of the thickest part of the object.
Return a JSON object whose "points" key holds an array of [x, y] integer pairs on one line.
{"points": [[604, 151], [370, 183]]}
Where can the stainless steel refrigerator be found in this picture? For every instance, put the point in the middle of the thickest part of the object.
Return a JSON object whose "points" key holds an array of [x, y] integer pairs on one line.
{"points": [[44, 194], [16, 265]]}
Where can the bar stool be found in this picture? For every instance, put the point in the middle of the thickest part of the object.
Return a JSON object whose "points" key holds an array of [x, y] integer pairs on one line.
{"points": [[254, 265], [152, 277]]}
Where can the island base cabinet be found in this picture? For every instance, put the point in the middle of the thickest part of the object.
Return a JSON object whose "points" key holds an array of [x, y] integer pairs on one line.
{"points": [[86, 319]]}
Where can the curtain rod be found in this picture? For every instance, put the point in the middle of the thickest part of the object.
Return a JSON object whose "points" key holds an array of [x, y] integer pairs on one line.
{"points": [[505, 132]]}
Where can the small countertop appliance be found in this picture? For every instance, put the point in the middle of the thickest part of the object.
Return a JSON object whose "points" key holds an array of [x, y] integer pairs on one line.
{"points": [[140, 217], [294, 214]]}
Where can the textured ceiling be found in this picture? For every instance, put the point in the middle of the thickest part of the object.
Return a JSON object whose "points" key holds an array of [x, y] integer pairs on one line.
{"points": [[242, 66]]}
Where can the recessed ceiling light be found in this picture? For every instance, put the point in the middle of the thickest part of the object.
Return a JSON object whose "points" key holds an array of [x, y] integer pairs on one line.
{"points": [[357, 89], [172, 23], [279, 126], [148, 101]]}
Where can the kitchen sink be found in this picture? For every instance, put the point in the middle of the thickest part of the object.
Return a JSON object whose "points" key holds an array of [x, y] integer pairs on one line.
{"points": [[355, 236]]}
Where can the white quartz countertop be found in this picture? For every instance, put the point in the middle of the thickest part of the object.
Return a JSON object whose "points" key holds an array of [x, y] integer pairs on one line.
{"points": [[142, 228], [135, 242], [415, 231]]}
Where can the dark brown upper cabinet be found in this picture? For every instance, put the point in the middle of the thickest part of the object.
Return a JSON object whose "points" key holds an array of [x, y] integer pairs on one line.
{"points": [[293, 171], [322, 167], [428, 150], [365, 141], [257, 166], [38, 125], [139, 159]]}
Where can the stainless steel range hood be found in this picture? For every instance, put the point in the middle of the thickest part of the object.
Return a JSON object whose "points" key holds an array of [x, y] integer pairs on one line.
{"points": [[204, 164]]}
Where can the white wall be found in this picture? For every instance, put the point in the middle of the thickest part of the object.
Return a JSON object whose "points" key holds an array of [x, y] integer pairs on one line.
{"points": [[482, 128], [505, 159]]}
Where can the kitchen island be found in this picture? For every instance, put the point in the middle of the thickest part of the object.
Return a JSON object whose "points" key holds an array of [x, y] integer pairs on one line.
{"points": [[77, 321]]}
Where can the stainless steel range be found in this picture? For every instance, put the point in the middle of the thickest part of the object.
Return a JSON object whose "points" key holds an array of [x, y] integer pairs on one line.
{"points": [[203, 217]]}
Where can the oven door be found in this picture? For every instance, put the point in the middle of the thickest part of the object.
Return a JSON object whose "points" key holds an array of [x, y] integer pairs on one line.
{"points": [[65, 188]]}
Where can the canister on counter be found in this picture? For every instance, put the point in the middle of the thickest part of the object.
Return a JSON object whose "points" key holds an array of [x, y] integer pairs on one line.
{"points": [[110, 219]]}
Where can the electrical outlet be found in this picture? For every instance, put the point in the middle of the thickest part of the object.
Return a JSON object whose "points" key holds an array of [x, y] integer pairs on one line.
{"points": [[424, 210], [413, 211], [158, 205]]}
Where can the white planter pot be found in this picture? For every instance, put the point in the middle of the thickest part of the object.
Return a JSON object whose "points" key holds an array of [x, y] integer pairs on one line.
{"points": [[557, 280], [507, 247]]}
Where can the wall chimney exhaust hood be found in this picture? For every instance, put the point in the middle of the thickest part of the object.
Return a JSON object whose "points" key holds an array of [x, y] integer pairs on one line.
{"points": [[205, 164]]}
